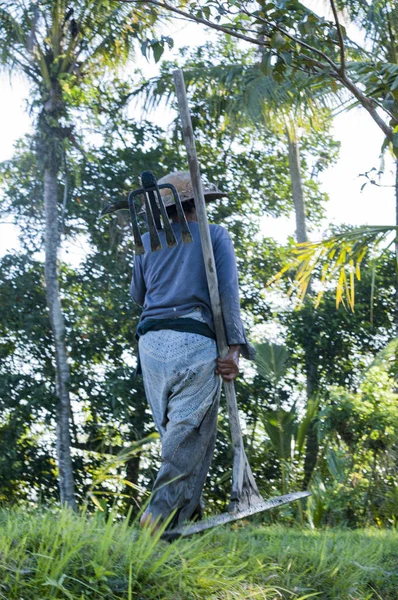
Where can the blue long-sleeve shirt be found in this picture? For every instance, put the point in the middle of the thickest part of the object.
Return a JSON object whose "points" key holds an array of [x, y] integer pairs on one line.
{"points": [[172, 282]]}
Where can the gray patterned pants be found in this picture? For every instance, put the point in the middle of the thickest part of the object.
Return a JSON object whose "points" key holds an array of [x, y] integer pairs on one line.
{"points": [[183, 393]]}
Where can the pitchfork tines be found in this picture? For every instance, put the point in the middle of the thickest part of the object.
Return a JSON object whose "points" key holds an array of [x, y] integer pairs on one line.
{"points": [[156, 214]]}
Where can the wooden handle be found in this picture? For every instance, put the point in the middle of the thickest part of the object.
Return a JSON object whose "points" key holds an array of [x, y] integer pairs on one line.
{"points": [[244, 489], [200, 206]]}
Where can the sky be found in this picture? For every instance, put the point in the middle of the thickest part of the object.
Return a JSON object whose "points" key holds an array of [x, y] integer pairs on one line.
{"points": [[360, 138]]}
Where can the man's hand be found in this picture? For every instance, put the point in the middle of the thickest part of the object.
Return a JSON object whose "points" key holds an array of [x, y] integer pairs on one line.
{"points": [[228, 367]]}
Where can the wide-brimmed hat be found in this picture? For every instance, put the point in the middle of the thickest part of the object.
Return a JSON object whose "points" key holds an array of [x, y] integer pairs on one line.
{"points": [[182, 182]]}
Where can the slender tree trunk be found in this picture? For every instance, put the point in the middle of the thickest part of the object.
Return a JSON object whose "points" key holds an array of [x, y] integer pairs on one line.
{"points": [[396, 248], [50, 143], [66, 483], [312, 445], [297, 186]]}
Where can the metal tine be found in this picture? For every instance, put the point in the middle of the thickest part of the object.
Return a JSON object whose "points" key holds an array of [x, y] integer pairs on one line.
{"points": [[139, 246], [153, 232], [170, 237], [185, 232], [168, 230], [148, 181], [150, 184], [155, 208]]}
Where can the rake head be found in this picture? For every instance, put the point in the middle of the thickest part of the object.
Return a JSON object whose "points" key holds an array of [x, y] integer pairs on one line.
{"points": [[156, 214], [229, 517]]}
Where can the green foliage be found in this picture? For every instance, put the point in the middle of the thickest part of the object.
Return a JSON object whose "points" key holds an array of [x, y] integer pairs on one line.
{"points": [[311, 414], [298, 44], [359, 433], [27, 401], [69, 41], [63, 50], [100, 558], [281, 427], [108, 402], [286, 429], [379, 77], [108, 472]]}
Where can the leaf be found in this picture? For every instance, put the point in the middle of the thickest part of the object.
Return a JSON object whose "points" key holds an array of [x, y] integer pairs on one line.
{"points": [[385, 145], [385, 355], [310, 415], [157, 49], [277, 41], [169, 41], [281, 427], [96, 502], [271, 361], [287, 58], [144, 47], [335, 465]]}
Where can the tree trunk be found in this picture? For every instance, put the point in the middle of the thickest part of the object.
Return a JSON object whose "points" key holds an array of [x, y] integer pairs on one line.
{"points": [[396, 248], [297, 186], [312, 445], [65, 476]]}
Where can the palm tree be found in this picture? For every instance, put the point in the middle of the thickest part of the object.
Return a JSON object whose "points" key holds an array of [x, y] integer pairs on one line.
{"points": [[62, 47], [340, 256]]}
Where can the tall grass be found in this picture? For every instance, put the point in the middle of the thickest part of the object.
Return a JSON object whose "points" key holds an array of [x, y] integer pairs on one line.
{"points": [[46, 554]]}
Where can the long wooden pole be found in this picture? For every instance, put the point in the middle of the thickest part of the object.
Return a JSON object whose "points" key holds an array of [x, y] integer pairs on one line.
{"points": [[244, 491]]}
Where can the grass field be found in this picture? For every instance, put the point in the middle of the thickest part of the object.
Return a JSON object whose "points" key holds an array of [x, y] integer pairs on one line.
{"points": [[54, 554]]}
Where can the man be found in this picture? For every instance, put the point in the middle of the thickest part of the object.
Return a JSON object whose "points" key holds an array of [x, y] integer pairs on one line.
{"points": [[178, 353]]}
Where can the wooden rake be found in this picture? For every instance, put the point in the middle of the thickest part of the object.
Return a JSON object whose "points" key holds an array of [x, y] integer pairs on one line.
{"points": [[245, 499]]}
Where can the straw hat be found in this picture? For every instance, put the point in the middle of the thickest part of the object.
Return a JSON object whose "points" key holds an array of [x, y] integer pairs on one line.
{"points": [[182, 182]]}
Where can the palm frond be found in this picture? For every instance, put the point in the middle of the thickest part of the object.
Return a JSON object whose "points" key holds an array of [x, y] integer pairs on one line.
{"points": [[243, 91], [339, 259], [10, 28], [13, 38]]}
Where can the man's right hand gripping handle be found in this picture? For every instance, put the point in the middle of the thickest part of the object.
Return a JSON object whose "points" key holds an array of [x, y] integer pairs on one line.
{"points": [[228, 367]]}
